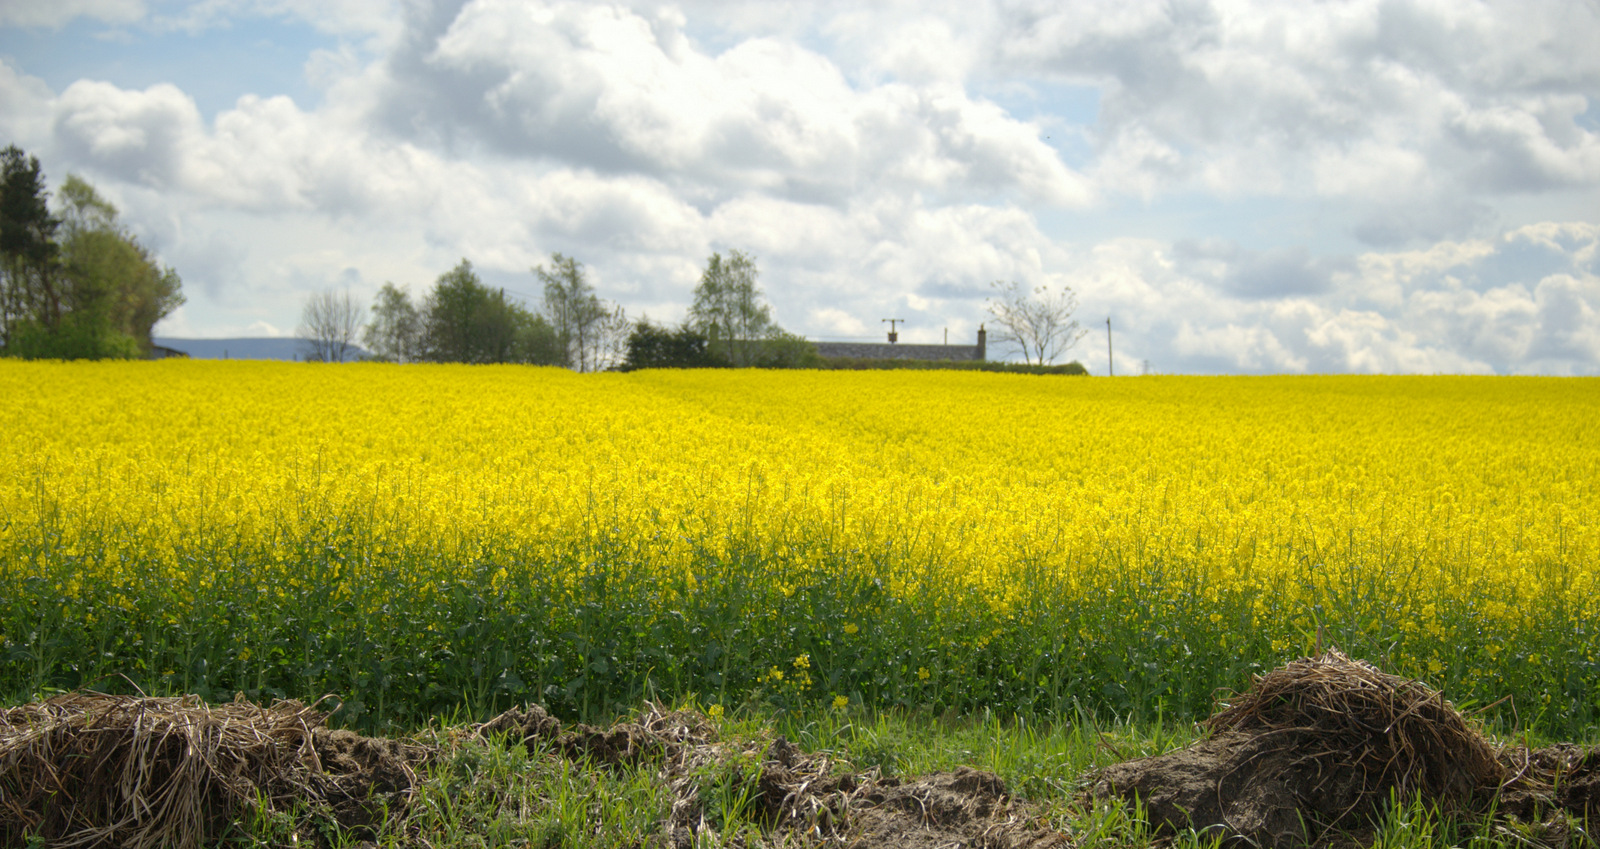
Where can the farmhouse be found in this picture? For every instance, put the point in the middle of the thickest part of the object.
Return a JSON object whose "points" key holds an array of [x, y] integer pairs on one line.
{"points": [[893, 350]]}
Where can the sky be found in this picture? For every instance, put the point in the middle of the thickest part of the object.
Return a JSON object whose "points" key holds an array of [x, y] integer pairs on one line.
{"points": [[1239, 187]]}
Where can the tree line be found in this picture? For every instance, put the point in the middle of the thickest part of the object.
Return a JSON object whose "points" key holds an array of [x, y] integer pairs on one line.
{"points": [[74, 283], [462, 320]]}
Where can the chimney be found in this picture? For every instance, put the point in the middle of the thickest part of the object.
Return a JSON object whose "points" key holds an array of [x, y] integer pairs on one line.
{"points": [[983, 344]]}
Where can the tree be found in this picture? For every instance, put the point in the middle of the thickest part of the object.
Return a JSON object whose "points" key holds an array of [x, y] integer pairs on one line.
{"points": [[464, 321], [454, 315], [27, 246], [395, 331], [108, 279], [537, 341], [611, 340], [653, 346], [328, 326], [781, 349], [593, 332], [1040, 322], [77, 286], [729, 309]]}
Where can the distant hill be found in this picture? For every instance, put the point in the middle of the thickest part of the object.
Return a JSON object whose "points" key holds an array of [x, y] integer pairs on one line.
{"points": [[259, 348]]}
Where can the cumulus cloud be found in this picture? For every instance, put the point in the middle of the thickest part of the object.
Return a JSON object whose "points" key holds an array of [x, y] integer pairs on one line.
{"points": [[611, 89], [1283, 272], [140, 134], [1415, 110], [884, 161]]}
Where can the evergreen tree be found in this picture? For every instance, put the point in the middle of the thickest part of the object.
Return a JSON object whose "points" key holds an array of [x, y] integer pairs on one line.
{"points": [[27, 245]]}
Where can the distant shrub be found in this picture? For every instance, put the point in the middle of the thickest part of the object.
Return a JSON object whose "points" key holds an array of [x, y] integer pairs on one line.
{"points": [[654, 346], [79, 337]]}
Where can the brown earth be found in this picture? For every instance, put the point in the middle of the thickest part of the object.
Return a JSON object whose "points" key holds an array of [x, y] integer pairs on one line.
{"points": [[93, 770], [1316, 752], [363, 780]]}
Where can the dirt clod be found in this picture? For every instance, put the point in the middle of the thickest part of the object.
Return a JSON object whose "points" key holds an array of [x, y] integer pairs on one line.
{"points": [[363, 779], [1315, 752], [91, 769], [967, 807]]}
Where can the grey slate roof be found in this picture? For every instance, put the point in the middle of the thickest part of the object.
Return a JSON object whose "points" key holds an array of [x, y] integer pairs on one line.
{"points": [[886, 351]]}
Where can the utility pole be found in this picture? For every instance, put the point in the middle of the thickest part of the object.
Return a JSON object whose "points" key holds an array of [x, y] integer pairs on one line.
{"points": [[1111, 367], [893, 336]]}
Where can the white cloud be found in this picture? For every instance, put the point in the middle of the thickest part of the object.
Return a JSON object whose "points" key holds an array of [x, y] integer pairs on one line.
{"points": [[25, 119], [883, 160], [1368, 342], [832, 321], [262, 328], [141, 134], [1580, 239], [1395, 104], [607, 88], [1236, 347]]}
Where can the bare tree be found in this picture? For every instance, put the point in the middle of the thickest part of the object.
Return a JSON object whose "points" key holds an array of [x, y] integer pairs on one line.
{"points": [[1039, 322], [610, 339], [329, 325]]}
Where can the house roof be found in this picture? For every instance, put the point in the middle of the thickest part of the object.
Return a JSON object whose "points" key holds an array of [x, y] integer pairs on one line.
{"points": [[886, 351]]}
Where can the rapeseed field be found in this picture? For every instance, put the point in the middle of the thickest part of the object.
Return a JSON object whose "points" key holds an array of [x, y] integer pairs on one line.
{"points": [[423, 540]]}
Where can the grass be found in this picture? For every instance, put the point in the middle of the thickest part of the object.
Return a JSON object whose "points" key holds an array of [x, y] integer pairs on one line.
{"points": [[484, 793], [491, 794]]}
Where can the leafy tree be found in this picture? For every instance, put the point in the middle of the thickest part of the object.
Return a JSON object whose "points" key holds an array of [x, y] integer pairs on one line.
{"points": [[27, 245], [593, 332], [537, 341], [78, 285], [457, 320], [495, 327], [109, 280], [729, 309], [781, 349], [464, 321], [329, 324], [1038, 322], [395, 331], [653, 346], [78, 336]]}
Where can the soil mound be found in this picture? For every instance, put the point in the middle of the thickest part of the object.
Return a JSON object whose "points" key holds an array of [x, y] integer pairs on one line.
{"points": [[89, 769], [1315, 751], [809, 798], [966, 808], [1560, 778]]}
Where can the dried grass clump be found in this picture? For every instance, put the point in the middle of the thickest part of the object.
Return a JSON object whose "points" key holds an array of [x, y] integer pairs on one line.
{"points": [[798, 798], [89, 769], [1348, 717]]}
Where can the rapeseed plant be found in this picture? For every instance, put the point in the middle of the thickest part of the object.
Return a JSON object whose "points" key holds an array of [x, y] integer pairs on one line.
{"points": [[423, 538]]}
